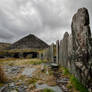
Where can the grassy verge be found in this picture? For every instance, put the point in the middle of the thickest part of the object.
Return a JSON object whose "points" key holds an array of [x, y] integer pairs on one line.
{"points": [[78, 86], [74, 83]]}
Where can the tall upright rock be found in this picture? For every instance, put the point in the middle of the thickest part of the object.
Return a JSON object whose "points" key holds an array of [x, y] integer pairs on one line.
{"points": [[65, 49], [57, 51], [81, 36], [52, 52]]}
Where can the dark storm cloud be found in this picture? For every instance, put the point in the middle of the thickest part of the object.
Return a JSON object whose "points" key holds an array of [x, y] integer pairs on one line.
{"points": [[47, 19]]}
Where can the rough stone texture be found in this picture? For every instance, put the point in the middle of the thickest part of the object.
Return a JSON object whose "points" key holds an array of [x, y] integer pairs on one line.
{"points": [[64, 50], [28, 72], [57, 51], [52, 52], [60, 53], [70, 51], [44, 86], [82, 49]]}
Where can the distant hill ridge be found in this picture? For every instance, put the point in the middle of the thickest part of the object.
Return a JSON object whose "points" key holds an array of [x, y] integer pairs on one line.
{"points": [[29, 42], [4, 45]]}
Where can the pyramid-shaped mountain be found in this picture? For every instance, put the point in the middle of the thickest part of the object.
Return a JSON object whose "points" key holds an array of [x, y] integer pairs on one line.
{"points": [[29, 42]]}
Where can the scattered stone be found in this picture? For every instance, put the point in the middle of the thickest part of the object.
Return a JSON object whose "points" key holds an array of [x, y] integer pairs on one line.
{"points": [[54, 88], [12, 70], [54, 65], [28, 72], [12, 84], [42, 67], [63, 80]]}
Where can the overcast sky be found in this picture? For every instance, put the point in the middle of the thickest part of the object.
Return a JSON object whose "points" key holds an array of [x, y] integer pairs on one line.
{"points": [[47, 19]]}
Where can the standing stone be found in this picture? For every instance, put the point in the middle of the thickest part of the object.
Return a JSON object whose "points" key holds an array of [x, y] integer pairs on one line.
{"points": [[63, 52], [81, 34], [57, 51], [70, 51], [60, 53], [65, 49], [52, 52], [82, 50]]}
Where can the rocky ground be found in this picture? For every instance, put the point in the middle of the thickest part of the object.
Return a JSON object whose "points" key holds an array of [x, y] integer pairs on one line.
{"points": [[26, 75]]}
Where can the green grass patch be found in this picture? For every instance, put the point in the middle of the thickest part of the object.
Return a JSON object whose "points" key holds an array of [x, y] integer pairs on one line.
{"points": [[66, 72], [78, 86], [32, 80], [47, 90], [74, 81]]}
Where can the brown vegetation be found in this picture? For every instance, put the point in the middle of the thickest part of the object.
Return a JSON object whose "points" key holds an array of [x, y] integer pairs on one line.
{"points": [[2, 75]]}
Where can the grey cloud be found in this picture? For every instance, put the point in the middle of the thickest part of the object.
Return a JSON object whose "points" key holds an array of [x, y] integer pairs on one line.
{"points": [[48, 19]]}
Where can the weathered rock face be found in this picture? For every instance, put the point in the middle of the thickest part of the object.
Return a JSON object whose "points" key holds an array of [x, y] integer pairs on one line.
{"points": [[60, 52], [52, 52], [81, 35], [57, 51], [64, 48]]}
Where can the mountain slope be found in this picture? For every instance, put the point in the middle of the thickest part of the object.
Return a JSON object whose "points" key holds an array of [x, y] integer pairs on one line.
{"points": [[4, 45]]}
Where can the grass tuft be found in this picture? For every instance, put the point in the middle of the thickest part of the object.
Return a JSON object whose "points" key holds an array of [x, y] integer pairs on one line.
{"points": [[37, 62], [74, 82], [32, 80], [47, 90], [78, 86]]}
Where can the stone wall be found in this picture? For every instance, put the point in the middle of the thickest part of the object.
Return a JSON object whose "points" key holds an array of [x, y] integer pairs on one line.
{"points": [[76, 50]]}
